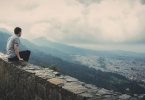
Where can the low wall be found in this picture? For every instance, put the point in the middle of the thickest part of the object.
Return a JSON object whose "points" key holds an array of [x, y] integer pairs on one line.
{"points": [[31, 82]]}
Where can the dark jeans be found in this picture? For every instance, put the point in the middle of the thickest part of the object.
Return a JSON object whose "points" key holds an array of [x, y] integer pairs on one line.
{"points": [[23, 54]]}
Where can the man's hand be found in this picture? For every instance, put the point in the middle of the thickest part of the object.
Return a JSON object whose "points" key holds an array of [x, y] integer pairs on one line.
{"points": [[21, 59]]}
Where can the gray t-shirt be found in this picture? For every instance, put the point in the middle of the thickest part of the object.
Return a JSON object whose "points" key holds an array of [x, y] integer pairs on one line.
{"points": [[10, 45]]}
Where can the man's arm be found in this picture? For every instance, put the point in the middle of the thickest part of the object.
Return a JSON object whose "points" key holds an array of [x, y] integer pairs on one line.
{"points": [[16, 47]]}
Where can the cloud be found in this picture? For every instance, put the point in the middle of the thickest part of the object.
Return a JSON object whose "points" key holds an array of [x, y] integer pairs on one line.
{"points": [[6, 26], [78, 21], [88, 2], [107, 21], [143, 1], [118, 21]]}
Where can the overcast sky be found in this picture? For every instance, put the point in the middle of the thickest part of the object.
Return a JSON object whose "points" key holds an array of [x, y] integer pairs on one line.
{"points": [[95, 24]]}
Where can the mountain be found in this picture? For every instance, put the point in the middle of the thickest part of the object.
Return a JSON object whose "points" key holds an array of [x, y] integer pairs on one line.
{"points": [[42, 45], [3, 40], [70, 50], [41, 55], [3, 30], [42, 41]]}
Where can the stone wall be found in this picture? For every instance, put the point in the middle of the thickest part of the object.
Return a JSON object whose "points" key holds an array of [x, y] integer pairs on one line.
{"points": [[31, 82]]}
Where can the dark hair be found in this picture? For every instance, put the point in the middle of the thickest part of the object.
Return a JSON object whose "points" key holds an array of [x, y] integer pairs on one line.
{"points": [[17, 30]]}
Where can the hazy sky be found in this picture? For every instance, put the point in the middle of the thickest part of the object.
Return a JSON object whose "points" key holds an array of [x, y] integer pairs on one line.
{"points": [[96, 24]]}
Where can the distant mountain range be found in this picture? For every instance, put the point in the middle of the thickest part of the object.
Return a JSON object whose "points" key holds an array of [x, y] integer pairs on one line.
{"points": [[70, 50], [46, 53]]}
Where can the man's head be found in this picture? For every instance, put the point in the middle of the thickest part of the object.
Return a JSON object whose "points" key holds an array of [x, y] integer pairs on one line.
{"points": [[18, 31]]}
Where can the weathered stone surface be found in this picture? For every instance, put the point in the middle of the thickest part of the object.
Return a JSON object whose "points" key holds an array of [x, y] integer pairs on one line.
{"points": [[124, 97], [70, 79], [57, 81], [57, 73], [31, 82], [75, 87], [105, 92]]}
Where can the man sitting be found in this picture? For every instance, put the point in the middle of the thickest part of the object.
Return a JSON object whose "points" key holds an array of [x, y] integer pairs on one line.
{"points": [[13, 47]]}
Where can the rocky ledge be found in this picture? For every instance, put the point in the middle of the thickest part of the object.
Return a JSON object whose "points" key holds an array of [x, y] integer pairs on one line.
{"points": [[31, 82]]}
